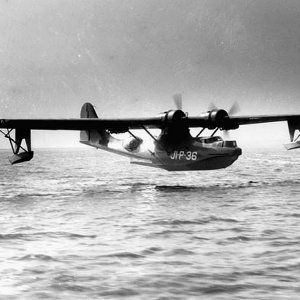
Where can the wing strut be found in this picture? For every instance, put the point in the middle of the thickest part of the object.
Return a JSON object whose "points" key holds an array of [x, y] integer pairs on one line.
{"points": [[200, 132], [133, 135], [157, 141], [16, 145], [215, 131]]}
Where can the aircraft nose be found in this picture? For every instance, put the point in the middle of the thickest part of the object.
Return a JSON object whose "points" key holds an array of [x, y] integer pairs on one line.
{"points": [[237, 151]]}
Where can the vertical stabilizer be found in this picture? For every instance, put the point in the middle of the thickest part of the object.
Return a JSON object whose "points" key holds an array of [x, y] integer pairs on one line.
{"points": [[92, 137]]}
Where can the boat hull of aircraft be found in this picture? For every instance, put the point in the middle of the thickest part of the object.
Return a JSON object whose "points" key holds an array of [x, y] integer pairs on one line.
{"points": [[203, 163], [192, 155]]}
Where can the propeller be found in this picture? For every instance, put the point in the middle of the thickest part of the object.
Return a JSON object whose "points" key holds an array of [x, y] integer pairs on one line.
{"points": [[178, 101], [226, 134], [212, 106], [234, 109]]}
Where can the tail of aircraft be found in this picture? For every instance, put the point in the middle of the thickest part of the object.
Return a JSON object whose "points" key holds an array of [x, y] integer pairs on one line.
{"points": [[92, 137]]}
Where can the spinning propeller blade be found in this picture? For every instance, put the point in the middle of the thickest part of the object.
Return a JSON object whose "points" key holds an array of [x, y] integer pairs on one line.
{"points": [[212, 106], [234, 109], [178, 101], [226, 134]]}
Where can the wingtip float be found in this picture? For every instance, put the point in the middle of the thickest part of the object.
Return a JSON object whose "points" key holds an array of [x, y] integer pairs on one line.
{"points": [[175, 149]]}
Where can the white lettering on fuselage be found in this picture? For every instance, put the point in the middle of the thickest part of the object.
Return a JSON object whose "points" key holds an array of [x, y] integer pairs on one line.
{"points": [[184, 155]]}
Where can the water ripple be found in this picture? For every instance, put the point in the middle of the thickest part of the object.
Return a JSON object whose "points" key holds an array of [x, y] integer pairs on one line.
{"points": [[102, 230]]}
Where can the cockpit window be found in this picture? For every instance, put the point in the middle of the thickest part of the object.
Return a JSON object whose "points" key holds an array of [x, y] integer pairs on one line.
{"points": [[209, 140]]}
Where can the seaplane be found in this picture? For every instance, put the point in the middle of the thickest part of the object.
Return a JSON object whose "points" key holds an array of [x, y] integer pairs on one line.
{"points": [[174, 149]]}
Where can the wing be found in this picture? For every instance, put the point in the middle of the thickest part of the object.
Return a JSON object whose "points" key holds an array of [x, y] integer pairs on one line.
{"points": [[210, 120], [216, 118], [113, 125], [245, 120], [292, 120], [88, 124], [23, 127], [220, 119]]}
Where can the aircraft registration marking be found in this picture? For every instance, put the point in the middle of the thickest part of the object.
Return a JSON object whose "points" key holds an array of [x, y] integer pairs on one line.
{"points": [[184, 155]]}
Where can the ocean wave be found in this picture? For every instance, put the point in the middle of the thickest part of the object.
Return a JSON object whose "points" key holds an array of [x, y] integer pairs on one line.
{"points": [[41, 257], [151, 250], [115, 232], [204, 220], [226, 186], [167, 233], [35, 235], [240, 238], [12, 236], [179, 251], [119, 292], [15, 196], [221, 288], [124, 255]]}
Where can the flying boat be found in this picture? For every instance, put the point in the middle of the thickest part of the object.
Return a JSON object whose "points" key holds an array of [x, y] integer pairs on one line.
{"points": [[174, 149]]}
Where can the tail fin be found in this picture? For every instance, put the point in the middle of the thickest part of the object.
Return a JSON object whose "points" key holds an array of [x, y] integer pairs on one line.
{"points": [[92, 137]]}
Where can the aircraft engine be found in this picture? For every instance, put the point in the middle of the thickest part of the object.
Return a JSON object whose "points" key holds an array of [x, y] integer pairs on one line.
{"points": [[219, 118], [172, 116]]}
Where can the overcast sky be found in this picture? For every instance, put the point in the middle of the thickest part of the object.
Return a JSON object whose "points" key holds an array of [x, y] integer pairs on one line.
{"points": [[129, 58]]}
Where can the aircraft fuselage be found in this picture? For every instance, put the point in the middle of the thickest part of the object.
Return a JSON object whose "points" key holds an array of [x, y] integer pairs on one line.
{"points": [[192, 154]]}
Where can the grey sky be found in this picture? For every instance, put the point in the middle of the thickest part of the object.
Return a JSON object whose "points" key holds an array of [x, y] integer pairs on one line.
{"points": [[130, 57]]}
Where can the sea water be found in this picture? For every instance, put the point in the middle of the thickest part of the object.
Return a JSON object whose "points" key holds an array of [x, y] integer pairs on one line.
{"points": [[84, 224]]}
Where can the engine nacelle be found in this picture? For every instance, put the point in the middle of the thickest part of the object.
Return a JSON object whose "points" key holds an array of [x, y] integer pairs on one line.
{"points": [[172, 116], [219, 118]]}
